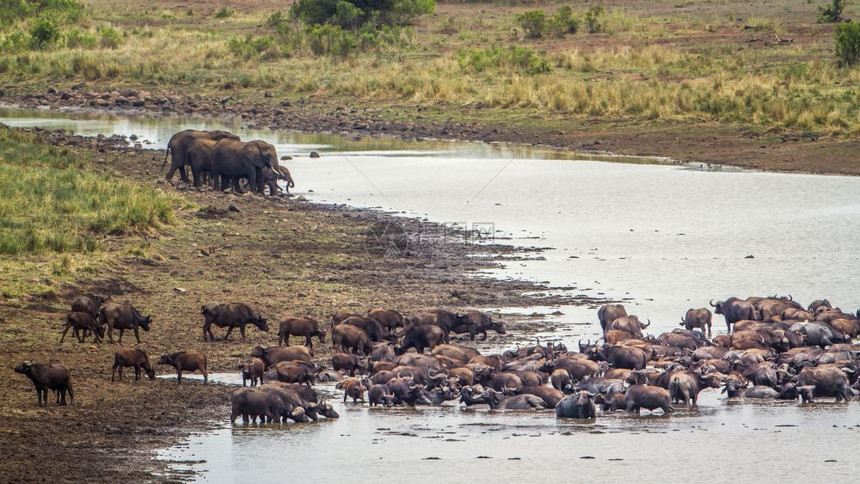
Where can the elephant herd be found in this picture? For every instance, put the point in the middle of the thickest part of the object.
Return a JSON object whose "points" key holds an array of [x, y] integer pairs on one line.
{"points": [[225, 160], [787, 353]]}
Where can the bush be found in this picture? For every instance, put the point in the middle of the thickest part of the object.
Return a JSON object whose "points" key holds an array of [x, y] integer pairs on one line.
{"points": [[331, 40], [77, 39], [831, 13], [225, 12], [44, 33], [391, 12], [516, 58], [250, 46], [533, 23], [848, 43], [109, 37], [563, 22], [594, 19]]}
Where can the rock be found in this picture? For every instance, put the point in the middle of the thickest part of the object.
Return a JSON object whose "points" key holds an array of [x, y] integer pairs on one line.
{"points": [[120, 101], [286, 158], [180, 290], [353, 304], [78, 86], [204, 252], [234, 208], [750, 257], [314, 154], [52, 90]]}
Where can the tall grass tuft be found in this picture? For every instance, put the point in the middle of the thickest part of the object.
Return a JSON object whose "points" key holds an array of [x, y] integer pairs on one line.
{"points": [[49, 203]]}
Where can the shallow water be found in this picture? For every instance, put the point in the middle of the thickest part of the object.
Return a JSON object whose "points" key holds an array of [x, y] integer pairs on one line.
{"points": [[724, 441], [662, 237]]}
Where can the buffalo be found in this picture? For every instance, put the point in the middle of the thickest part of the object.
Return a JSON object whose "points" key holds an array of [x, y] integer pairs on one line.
{"points": [[230, 315], [274, 354], [186, 361], [83, 322], [349, 337], [579, 405], [734, 310], [649, 397], [252, 369], [48, 376], [697, 318], [132, 357], [609, 313], [123, 317], [420, 337], [306, 327]]}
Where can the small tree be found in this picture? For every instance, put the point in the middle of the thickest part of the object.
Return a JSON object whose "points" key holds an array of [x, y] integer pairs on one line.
{"points": [[831, 13], [44, 33], [533, 23], [594, 19], [848, 43]]}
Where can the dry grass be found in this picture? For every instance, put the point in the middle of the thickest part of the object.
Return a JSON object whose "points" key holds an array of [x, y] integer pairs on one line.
{"points": [[646, 66]]}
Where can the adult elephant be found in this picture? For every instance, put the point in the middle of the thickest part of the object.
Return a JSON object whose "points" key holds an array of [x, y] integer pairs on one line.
{"points": [[200, 158], [235, 159], [178, 145]]}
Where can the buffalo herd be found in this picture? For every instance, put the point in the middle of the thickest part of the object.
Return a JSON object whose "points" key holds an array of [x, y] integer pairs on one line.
{"points": [[774, 349]]}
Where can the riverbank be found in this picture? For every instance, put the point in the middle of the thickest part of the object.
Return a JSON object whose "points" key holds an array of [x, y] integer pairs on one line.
{"points": [[710, 143], [280, 255]]}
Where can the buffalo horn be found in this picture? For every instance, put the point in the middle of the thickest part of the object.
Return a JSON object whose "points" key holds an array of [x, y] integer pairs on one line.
{"points": [[711, 302]]}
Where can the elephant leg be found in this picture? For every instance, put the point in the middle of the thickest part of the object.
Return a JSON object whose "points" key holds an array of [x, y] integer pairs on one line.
{"points": [[66, 330], [183, 174], [195, 172], [253, 178]]}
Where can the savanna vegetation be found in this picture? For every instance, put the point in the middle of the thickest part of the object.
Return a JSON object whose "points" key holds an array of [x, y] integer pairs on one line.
{"points": [[786, 66], [55, 212]]}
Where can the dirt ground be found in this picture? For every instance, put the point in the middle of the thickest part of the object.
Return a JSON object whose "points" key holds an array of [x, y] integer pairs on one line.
{"points": [[281, 256]]}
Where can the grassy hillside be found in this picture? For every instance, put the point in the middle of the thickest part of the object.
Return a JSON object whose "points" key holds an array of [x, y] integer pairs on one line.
{"points": [[769, 65]]}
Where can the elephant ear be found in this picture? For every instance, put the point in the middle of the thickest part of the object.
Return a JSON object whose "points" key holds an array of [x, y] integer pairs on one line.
{"points": [[254, 154]]}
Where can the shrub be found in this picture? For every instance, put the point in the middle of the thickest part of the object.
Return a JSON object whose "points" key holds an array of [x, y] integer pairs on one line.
{"points": [[44, 33], [391, 12], [563, 22], [225, 12], [594, 19], [250, 46], [831, 13], [521, 59], [78, 39], [848, 43], [109, 38], [331, 39], [448, 26], [533, 23]]}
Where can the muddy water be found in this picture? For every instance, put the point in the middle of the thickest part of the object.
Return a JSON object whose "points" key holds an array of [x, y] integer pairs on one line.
{"points": [[661, 237], [765, 442]]}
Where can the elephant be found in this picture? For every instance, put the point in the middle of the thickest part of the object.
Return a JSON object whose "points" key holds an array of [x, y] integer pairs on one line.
{"points": [[270, 179], [200, 158], [178, 148], [235, 159]]}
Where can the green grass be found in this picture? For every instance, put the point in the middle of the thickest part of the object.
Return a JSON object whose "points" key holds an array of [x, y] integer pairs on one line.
{"points": [[49, 202]]}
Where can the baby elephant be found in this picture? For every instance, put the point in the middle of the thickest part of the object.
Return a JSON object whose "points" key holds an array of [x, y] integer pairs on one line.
{"points": [[83, 322], [186, 361], [132, 357]]}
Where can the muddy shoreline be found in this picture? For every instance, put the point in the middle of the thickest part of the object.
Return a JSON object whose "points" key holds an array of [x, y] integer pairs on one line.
{"points": [[308, 259], [707, 143]]}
